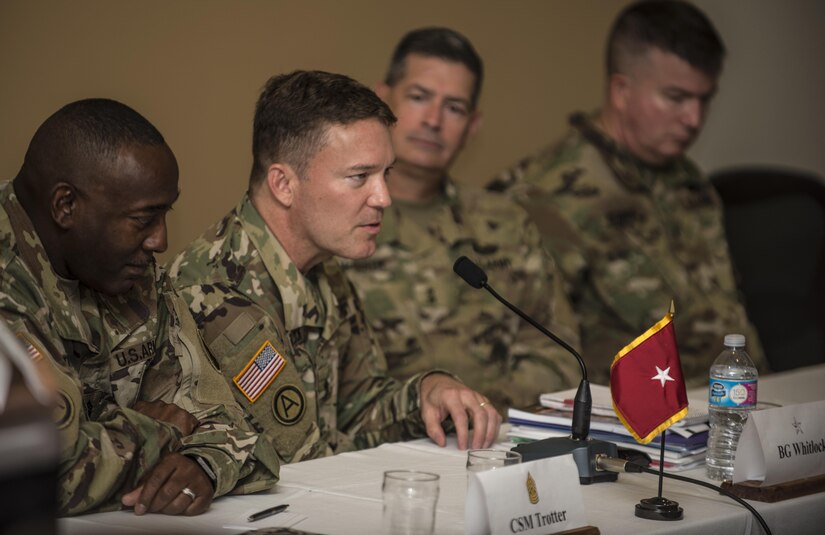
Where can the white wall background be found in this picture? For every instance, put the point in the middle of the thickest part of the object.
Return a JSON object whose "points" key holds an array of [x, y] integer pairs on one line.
{"points": [[769, 109]]}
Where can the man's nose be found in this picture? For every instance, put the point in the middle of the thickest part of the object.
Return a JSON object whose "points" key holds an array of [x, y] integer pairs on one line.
{"points": [[693, 113], [379, 194], [156, 241], [434, 115]]}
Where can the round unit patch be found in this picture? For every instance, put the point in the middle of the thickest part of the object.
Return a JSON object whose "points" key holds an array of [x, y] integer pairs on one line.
{"points": [[64, 411], [288, 404]]}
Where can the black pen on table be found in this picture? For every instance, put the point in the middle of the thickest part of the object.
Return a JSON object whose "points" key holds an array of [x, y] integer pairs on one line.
{"points": [[267, 512]]}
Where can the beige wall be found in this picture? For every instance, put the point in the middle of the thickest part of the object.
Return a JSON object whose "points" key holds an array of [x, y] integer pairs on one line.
{"points": [[194, 68]]}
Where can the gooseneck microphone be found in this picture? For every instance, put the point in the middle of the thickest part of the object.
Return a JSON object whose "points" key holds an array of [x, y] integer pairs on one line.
{"points": [[477, 278], [583, 449]]}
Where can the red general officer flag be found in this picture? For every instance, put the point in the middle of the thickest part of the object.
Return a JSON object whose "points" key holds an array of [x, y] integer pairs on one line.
{"points": [[647, 384]]}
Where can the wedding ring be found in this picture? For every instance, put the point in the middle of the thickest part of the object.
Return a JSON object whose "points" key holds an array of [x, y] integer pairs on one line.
{"points": [[188, 492], [483, 403]]}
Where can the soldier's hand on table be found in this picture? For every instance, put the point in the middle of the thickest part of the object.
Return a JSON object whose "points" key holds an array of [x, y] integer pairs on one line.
{"points": [[443, 396], [169, 413], [175, 486]]}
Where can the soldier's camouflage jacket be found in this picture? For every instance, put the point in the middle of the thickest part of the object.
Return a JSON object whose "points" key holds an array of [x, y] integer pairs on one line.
{"points": [[628, 238], [294, 347], [425, 316], [106, 353]]}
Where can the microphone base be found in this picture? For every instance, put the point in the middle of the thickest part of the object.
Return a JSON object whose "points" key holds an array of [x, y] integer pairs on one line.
{"points": [[584, 454]]}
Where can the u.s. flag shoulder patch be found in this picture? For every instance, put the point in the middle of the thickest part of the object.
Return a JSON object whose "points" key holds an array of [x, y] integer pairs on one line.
{"points": [[259, 372], [31, 346]]}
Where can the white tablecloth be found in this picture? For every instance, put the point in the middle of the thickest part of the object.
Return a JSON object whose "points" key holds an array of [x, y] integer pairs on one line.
{"points": [[342, 494]]}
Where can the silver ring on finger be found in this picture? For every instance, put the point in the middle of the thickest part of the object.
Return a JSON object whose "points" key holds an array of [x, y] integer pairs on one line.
{"points": [[189, 492]]}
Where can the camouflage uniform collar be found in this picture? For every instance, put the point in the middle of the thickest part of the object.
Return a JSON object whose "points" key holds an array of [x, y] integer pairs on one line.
{"points": [[451, 191], [447, 223], [635, 174], [300, 296], [28, 243], [74, 308]]}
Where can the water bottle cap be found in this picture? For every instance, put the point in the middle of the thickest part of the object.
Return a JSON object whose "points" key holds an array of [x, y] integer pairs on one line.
{"points": [[735, 340]]}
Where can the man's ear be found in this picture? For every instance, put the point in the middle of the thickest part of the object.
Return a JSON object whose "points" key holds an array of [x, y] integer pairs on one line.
{"points": [[281, 181], [618, 90], [475, 125], [63, 204]]}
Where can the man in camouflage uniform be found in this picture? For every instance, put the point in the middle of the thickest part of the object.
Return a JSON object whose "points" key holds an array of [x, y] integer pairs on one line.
{"points": [[630, 220], [278, 315], [144, 419], [423, 314]]}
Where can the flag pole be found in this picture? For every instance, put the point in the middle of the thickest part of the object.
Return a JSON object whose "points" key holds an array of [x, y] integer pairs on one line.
{"points": [[662, 463], [664, 433], [660, 508]]}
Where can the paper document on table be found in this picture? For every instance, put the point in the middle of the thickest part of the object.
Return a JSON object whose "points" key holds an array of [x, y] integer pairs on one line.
{"points": [[558, 419], [227, 514], [280, 531], [281, 520], [603, 404]]}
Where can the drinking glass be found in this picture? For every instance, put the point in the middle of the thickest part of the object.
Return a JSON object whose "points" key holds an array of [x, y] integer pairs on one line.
{"points": [[490, 459], [410, 497]]}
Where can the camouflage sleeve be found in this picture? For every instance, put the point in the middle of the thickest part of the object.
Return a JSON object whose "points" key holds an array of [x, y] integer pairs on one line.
{"points": [[375, 408], [545, 300], [102, 460], [105, 449], [509, 177], [619, 257], [559, 240], [223, 438]]}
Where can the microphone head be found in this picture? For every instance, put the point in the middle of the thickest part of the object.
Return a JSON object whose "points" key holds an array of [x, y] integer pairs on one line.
{"points": [[470, 272]]}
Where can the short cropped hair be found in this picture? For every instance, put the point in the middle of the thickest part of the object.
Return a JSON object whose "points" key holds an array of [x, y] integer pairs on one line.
{"points": [[295, 110], [672, 26], [442, 43], [87, 132]]}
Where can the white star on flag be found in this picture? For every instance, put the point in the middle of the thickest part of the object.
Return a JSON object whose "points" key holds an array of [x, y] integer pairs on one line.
{"points": [[663, 376]]}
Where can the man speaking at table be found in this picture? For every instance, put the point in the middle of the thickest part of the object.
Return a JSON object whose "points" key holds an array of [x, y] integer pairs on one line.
{"points": [[278, 315]]}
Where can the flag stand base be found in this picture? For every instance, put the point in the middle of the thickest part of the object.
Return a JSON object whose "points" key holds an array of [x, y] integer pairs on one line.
{"points": [[659, 509]]}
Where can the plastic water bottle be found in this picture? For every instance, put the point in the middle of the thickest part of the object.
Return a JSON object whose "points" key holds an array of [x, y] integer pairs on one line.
{"points": [[732, 396]]}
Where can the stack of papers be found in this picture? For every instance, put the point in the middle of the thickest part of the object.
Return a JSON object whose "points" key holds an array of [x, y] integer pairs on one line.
{"points": [[685, 443]]}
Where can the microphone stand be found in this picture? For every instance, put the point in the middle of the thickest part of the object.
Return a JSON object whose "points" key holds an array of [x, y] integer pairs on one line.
{"points": [[583, 449]]}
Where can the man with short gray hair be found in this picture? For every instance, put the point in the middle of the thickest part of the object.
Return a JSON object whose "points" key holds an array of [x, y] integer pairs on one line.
{"points": [[630, 220]]}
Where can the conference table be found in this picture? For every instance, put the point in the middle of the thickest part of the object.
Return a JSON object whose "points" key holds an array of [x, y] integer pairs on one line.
{"points": [[342, 494]]}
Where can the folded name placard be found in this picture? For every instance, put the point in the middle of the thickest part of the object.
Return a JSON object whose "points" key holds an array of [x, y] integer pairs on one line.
{"points": [[782, 444], [536, 497]]}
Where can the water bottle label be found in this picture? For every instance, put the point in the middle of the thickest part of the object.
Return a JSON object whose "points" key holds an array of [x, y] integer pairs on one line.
{"points": [[732, 393]]}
